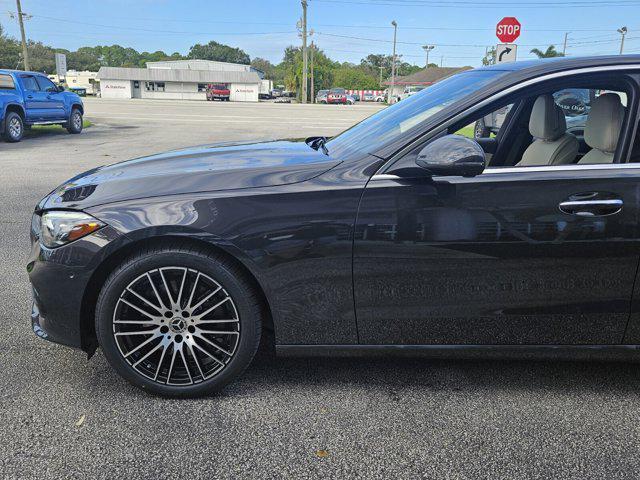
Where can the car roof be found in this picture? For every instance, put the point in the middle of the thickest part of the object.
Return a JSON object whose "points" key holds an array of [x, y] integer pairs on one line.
{"points": [[561, 63], [9, 70]]}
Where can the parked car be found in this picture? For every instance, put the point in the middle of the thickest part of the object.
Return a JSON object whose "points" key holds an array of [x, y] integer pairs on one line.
{"points": [[355, 96], [177, 265], [351, 100], [410, 90], [368, 97], [30, 98], [276, 92], [321, 96], [218, 92]]}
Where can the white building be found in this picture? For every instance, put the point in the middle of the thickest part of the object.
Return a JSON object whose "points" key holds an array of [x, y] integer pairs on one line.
{"points": [[180, 80]]}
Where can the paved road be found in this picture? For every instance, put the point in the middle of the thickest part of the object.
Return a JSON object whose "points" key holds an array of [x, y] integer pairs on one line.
{"points": [[286, 418]]}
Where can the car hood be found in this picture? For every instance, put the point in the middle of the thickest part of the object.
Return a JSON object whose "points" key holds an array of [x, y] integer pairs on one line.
{"points": [[200, 169]]}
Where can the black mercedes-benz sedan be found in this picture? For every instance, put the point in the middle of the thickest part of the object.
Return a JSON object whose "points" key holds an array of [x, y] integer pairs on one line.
{"points": [[404, 234]]}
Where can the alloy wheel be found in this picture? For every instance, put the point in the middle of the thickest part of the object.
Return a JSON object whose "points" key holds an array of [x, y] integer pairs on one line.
{"points": [[15, 127], [77, 121], [176, 326]]}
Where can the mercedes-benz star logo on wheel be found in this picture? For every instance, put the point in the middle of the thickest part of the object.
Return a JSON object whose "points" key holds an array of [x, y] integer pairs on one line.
{"points": [[177, 324]]}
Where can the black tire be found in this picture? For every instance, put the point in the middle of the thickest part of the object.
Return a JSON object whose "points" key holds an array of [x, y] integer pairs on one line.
{"points": [[230, 277], [480, 130], [13, 127], [74, 124]]}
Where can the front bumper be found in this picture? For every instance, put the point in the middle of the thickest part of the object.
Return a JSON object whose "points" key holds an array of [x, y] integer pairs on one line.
{"points": [[59, 279]]}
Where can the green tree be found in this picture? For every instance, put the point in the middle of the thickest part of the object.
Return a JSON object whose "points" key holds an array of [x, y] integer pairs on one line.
{"points": [[264, 66], [550, 52], [218, 52], [354, 78], [9, 51], [490, 57]]}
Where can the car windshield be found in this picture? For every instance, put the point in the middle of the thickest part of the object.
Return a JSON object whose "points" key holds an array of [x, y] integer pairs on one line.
{"points": [[386, 125]]}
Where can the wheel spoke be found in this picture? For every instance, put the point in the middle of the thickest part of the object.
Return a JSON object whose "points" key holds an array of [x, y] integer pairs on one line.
{"points": [[211, 294], [137, 322], [209, 310], [186, 367], [155, 290], [207, 353], [199, 322], [213, 344], [126, 334], [195, 359], [166, 286], [184, 278], [173, 359], [152, 305], [193, 290], [146, 342], [219, 332], [164, 350], [151, 352], [145, 313]]}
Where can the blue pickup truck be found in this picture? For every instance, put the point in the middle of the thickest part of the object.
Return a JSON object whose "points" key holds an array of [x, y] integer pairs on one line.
{"points": [[30, 98]]}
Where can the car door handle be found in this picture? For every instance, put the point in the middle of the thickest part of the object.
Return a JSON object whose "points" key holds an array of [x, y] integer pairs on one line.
{"points": [[29, 96], [592, 208]]}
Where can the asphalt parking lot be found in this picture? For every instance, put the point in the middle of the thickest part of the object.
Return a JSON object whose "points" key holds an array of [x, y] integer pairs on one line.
{"points": [[66, 417]]}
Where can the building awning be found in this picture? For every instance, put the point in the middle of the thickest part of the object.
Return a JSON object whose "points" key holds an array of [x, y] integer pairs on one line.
{"points": [[171, 75]]}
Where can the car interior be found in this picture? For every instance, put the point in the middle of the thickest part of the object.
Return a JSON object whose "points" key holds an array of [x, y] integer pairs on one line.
{"points": [[576, 122]]}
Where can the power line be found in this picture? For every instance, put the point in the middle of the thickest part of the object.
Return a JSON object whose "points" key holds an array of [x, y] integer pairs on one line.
{"points": [[457, 4]]}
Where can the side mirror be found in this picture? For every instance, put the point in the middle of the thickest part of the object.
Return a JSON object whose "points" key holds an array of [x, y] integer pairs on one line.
{"points": [[452, 155], [60, 89]]}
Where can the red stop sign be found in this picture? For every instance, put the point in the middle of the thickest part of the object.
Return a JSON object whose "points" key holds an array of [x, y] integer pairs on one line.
{"points": [[508, 29]]}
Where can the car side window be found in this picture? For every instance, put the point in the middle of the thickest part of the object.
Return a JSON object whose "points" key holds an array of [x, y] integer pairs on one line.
{"points": [[6, 82], [46, 85], [488, 126], [29, 83]]}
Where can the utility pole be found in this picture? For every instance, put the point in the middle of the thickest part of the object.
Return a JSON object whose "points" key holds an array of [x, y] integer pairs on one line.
{"points": [[564, 47], [313, 93], [393, 64], [305, 53], [25, 54], [381, 70], [622, 31], [441, 60], [428, 48]]}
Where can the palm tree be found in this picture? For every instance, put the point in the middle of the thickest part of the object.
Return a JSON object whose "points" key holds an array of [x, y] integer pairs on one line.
{"points": [[550, 52]]}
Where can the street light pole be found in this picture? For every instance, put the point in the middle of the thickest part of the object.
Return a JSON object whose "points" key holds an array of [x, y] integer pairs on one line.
{"points": [[305, 53], [25, 54], [622, 31], [564, 47], [428, 48], [393, 64]]}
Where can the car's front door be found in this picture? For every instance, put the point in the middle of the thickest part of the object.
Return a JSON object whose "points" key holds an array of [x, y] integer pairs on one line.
{"points": [[34, 98], [53, 100], [541, 255]]}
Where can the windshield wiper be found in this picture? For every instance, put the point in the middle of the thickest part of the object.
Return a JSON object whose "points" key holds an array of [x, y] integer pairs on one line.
{"points": [[318, 143]]}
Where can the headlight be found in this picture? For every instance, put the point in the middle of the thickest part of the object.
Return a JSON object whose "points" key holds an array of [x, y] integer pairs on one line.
{"points": [[61, 227]]}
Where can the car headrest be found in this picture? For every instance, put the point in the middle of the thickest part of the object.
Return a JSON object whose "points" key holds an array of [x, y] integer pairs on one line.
{"points": [[604, 123], [547, 120]]}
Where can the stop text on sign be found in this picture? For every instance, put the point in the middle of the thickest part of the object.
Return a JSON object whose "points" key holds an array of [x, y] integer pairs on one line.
{"points": [[508, 29]]}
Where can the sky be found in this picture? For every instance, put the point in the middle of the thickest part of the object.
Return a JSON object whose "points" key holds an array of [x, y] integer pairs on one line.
{"points": [[347, 30]]}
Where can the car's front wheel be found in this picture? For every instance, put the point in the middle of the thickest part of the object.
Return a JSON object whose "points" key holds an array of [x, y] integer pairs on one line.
{"points": [[13, 127], [74, 125], [178, 322]]}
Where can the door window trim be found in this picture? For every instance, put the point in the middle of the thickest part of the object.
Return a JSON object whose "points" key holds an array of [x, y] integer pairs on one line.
{"points": [[443, 126]]}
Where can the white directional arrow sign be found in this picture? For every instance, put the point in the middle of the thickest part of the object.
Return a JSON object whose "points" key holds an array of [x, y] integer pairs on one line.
{"points": [[506, 52]]}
